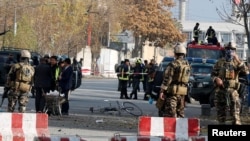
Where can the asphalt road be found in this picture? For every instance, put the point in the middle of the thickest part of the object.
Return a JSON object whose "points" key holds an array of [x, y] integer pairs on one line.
{"points": [[99, 93]]}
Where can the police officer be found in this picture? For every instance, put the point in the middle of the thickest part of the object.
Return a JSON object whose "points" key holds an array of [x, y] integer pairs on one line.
{"points": [[151, 70], [55, 70], [196, 32], [20, 80], [225, 76], [117, 70], [124, 77], [210, 34], [137, 75], [144, 78], [174, 85]]}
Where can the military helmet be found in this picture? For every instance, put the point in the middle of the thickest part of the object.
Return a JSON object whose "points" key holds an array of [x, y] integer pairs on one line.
{"points": [[25, 53], [180, 49], [231, 45], [46, 56], [138, 61]]}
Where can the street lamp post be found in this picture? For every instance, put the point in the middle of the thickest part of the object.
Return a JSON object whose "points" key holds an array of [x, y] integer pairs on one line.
{"points": [[15, 24]]}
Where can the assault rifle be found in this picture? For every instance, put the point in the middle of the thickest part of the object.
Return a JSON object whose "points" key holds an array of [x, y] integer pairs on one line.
{"points": [[5, 95]]}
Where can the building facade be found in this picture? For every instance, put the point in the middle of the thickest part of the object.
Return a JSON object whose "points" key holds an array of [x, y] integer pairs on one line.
{"points": [[225, 32]]}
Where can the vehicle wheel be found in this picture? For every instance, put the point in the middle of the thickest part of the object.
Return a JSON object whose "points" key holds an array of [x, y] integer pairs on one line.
{"points": [[132, 109], [189, 99], [208, 98], [160, 113], [211, 99], [204, 100]]}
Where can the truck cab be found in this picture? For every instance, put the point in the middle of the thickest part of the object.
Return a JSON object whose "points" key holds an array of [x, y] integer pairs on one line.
{"points": [[206, 51]]}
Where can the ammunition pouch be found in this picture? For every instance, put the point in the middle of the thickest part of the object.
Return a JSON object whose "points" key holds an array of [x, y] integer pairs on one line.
{"points": [[178, 89], [23, 87], [10, 84], [232, 84]]}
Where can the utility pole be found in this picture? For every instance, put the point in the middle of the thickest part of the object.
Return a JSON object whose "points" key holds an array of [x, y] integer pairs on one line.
{"points": [[15, 24]]}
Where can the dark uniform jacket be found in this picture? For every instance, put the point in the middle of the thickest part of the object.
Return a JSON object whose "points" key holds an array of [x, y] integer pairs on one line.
{"points": [[137, 71], [43, 76], [65, 83], [124, 72]]}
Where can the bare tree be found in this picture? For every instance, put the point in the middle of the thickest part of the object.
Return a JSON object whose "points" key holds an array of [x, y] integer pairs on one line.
{"points": [[239, 16]]}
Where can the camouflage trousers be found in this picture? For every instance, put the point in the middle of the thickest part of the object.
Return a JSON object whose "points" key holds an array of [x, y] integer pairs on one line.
{"points": [[21, 98], [174, 106], [227, 100]]}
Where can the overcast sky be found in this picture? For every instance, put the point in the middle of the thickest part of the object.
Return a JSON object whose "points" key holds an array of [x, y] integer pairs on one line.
{"points": [[202, 10]]}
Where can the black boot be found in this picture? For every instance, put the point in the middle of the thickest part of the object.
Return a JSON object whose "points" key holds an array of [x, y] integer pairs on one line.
{"points": [[145, 97], [131, 94], [135, 95], [126, 96], [121, 96]]}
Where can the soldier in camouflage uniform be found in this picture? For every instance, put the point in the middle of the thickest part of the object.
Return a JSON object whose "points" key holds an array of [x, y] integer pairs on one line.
{"points": [[174, 87], [20, 79], [225, 76]]}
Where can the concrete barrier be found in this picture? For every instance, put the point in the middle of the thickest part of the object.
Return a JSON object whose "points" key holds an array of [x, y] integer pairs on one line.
{"points": [[86, 71], [173, 128], [28, 127], [23, 126]]}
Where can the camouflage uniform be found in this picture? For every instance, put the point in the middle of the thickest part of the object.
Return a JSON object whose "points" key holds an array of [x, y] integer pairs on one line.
{"points": [[227, 97], [225, 75], [174, 103], [15, 94]]}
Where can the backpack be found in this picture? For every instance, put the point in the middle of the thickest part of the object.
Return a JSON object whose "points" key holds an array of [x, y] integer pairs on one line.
{"points": [[25, 73], [24, 77], [76, 77], [182, 71], [118, 67]]}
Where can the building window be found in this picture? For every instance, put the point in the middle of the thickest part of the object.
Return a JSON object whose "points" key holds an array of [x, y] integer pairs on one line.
{"points": [[239, 38], [240, 53], [225, 37], [189, 36]]}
